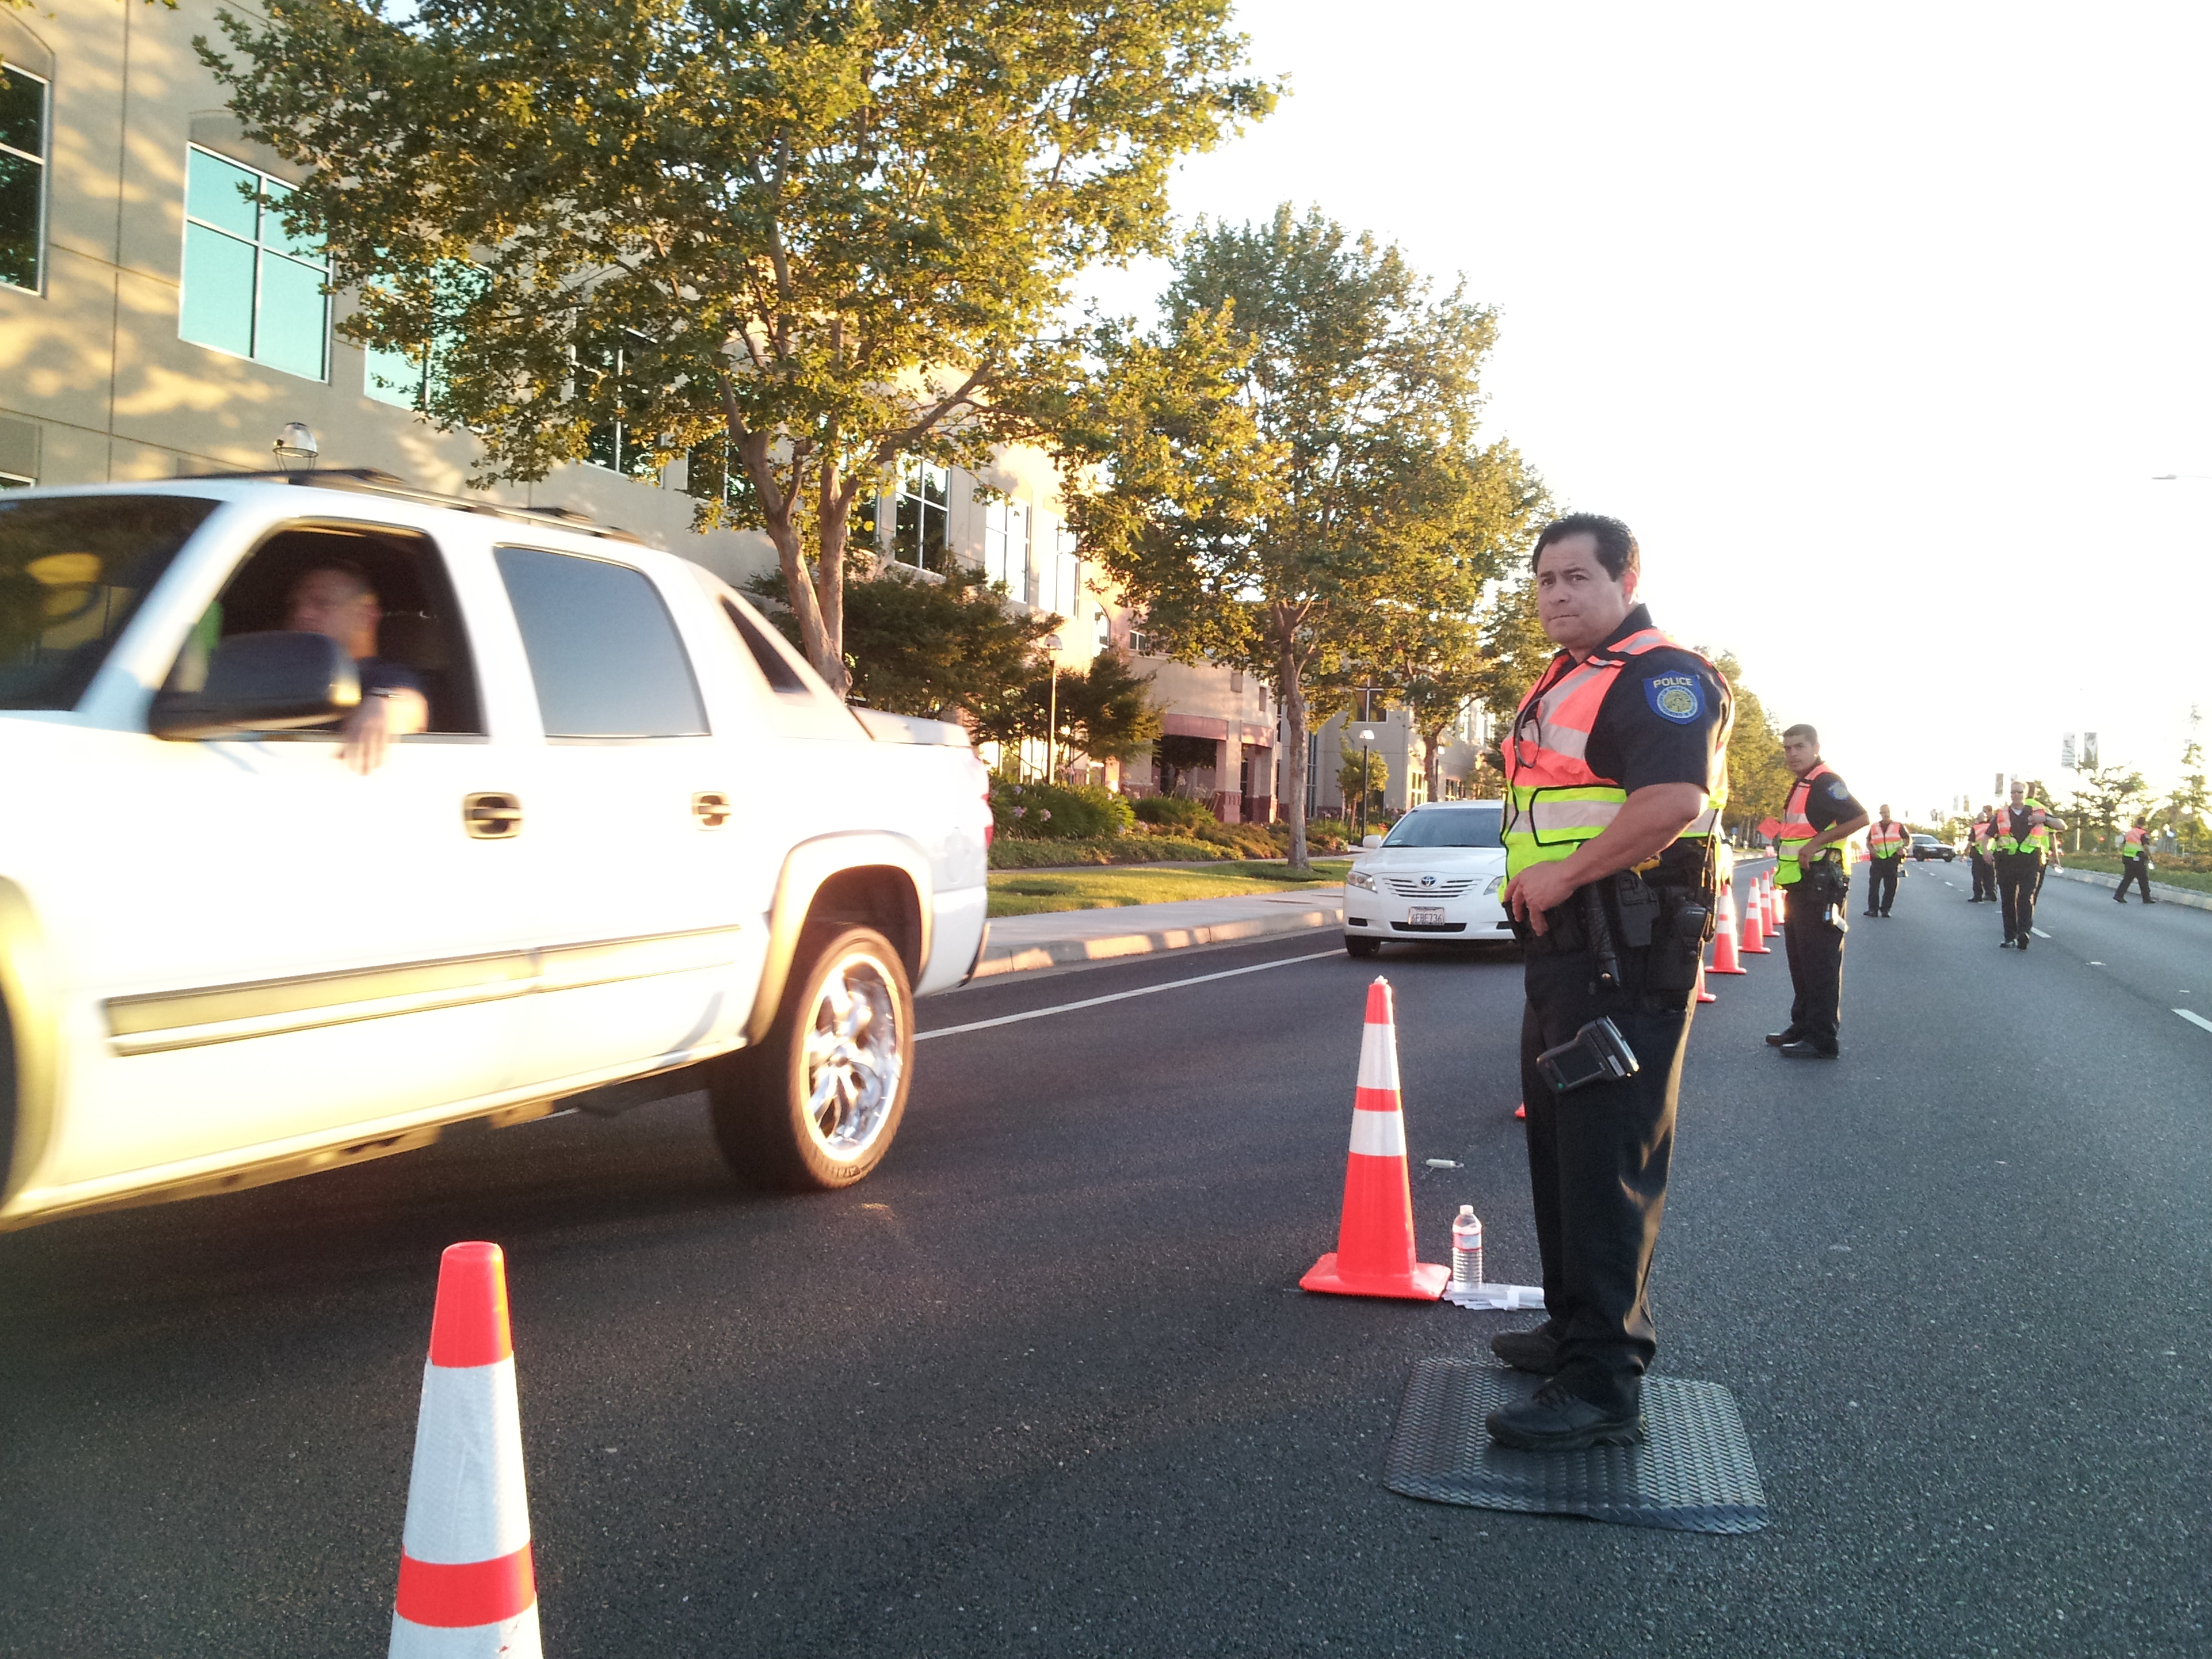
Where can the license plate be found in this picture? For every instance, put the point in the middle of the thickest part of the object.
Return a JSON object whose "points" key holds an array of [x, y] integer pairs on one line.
{"points": [[1432, 914]]}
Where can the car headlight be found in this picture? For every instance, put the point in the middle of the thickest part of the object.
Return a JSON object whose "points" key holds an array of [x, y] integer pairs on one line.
{"points": [[1360, 880], [1495, 882]]}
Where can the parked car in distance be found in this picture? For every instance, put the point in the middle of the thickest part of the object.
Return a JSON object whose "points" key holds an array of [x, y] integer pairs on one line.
{"points": [[1434, 878], [636, 848], [1925, 848]]}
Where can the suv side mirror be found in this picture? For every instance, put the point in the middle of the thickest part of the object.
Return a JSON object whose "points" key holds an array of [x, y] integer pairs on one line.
{"points": [[261, 683], [1370, 840]]}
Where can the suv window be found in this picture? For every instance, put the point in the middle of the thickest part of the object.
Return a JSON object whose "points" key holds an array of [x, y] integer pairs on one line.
{"points": [[420, 628], [72, 571], [603, 651]]}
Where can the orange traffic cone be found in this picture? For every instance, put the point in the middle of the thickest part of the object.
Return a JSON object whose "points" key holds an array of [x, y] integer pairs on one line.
{"points": [[1521, 1111], [1704, 995], [1724, 960], [466, 1587], [1773, 903], [1755, 931], [1374, 1253]]}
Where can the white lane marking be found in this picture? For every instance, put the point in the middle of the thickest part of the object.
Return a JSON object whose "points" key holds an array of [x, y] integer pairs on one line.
{"points": [[2096, 964], [1119, 996], [2195, 1019], [2038, 932]]}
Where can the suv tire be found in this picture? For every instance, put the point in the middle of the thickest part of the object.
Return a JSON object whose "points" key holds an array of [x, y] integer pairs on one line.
{"points": [[815, 1105]]}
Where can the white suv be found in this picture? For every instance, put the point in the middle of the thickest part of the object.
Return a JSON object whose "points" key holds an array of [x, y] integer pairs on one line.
{"points": [[1434, 878], [639, 835]]}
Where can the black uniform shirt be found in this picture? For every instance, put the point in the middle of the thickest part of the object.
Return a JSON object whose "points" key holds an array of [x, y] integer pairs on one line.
{"points": [[1830, 801], [1665, 719]]}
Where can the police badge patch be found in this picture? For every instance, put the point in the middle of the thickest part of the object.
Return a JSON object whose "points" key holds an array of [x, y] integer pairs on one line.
{"points": [[1675, 697], [1837, 791]]}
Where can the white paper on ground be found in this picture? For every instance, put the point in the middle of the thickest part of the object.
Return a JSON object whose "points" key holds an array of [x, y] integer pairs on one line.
{"points": [[1510, 1298]]}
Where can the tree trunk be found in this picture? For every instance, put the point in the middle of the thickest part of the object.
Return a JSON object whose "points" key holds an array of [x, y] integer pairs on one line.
{"points": [[1293, 696], [831, 520], [1431, 747]]}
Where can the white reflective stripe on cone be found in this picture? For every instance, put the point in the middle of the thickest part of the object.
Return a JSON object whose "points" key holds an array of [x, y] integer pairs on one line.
{"points": [[510, 1639], [1378, 1134], [1378, 1058], [465, 1501]]}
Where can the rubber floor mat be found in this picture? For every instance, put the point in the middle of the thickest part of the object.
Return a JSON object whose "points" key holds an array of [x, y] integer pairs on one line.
{"points": [[1692, 1473]]}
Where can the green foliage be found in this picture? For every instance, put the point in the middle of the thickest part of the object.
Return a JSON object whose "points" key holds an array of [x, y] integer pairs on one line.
{"points": [[2105, 797], [1055, 812], [932, 646], [1105, 712], [1011, 853], [2187, 805], [1376, 778], [1174, 811], [819, 235], [1285, 473], [1759, 780]]}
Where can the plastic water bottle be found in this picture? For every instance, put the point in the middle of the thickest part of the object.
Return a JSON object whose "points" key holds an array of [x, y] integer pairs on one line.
{"points": [[1467, 1246]]}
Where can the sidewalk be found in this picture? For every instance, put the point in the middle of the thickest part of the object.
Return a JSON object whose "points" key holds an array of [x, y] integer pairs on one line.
{"points": [[2160, 890], [1059, 939]]}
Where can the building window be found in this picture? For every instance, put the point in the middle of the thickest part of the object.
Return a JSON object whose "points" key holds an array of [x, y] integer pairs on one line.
{"points": [[921, 537], [23, 178], [251, 288], [1006, 546], [410, 379], [617, 445], [1060, 572]]}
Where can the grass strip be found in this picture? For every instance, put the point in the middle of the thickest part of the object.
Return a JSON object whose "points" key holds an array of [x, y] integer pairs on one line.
{"points": [[1029, 893]]}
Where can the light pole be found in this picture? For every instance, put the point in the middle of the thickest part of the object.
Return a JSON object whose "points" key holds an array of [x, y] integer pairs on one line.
{"points": [[1053, 646], [1366, 778]]}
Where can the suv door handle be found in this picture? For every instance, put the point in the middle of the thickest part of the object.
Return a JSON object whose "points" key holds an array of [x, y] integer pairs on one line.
{"points": [[494, 815], [712, 809]]}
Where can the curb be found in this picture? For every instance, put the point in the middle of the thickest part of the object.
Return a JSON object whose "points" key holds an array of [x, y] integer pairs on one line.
{"points": [[2182, 896], [1067, 953]]}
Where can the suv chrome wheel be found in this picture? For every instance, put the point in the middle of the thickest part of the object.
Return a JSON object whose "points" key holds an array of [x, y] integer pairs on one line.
{"points": [[855, 1054]]}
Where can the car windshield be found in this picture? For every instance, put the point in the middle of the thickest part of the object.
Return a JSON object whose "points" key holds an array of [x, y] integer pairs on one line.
{"points": [[72, 571], [1449, 826]]}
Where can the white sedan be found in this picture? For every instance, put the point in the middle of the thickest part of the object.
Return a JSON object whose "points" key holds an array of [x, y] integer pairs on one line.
{"points": [[1434, 878]]}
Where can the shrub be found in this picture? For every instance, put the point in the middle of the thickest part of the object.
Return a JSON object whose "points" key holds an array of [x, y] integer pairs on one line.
{"points": [[1014, 855], [1054, 812], [1174, 811]]}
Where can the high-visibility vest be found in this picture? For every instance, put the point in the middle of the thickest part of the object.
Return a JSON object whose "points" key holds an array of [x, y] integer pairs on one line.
{"points": [[1978, 834], [2037, 840], [1797, 829], [2132, 843], [1554, 802], [1886, 840]]}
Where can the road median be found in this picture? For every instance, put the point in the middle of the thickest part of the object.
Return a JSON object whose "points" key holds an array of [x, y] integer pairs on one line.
{"points": [[1065, 939]]}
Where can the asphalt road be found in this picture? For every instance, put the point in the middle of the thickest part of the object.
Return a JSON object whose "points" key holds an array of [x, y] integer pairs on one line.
{"points": [[1045, 1384]]}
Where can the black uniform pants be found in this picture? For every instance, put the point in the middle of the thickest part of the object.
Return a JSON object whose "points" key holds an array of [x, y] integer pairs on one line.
{"points": [[1985, 876], [2138, 871], [1816, 969], [2019, 874], [1881, 883], [1598, 1160]]}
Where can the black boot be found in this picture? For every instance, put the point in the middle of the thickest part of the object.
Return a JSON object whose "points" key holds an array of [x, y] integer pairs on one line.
{"points": [[1536, 1352], [1554, 1419]]}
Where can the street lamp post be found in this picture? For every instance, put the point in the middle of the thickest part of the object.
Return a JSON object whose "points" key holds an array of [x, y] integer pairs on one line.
{"points": [[1052, 645], [1366, 778]]}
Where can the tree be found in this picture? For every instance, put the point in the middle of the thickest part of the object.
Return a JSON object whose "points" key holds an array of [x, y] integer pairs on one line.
{"points": [[2187, 803], [1362, 774], [2102, 797], [1286, 467], [930, 646], [1105, 712], [806, 238], [1759, 780]]}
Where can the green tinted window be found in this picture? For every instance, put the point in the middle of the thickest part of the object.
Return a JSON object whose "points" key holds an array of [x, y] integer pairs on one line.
{"points": [[22, 177], [72, 571], [251, 287]]}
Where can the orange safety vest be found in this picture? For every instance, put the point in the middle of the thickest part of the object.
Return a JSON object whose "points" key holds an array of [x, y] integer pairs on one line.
{"points": [[1554, 801], [1886, 843], [2132, 843], [2035, 840], [1797, 829]]}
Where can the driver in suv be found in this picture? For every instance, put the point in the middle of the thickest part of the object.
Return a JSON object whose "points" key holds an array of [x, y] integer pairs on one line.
{"points": [[336, 600]]}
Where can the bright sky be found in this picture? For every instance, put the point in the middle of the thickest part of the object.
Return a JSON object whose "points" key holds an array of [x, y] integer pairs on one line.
{"points": [[1874, 323]]}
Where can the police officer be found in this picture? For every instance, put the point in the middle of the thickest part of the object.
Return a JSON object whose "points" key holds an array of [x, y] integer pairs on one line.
{"points": [[1985, 875], [1812, 868], [2135, 862], [2019, 836], [1886, 840], [1616, 772]]}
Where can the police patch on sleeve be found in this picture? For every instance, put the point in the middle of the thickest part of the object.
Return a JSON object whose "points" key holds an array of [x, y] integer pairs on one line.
{"points": [[1676, 697], [1838, 790]]}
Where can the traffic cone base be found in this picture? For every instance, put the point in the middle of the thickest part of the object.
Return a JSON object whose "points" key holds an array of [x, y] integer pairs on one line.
{"points": [[1374, 1254]]}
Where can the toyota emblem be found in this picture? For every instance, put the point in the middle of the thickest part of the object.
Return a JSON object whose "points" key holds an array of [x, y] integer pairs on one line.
{"points": [[1428, 881]]}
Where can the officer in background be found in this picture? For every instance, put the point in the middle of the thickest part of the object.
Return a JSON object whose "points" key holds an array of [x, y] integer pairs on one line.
{"points": [[1812, 868], [1616, 772], [1886, 840], [1985, 875], [2019, 836], [2135, 862]]}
